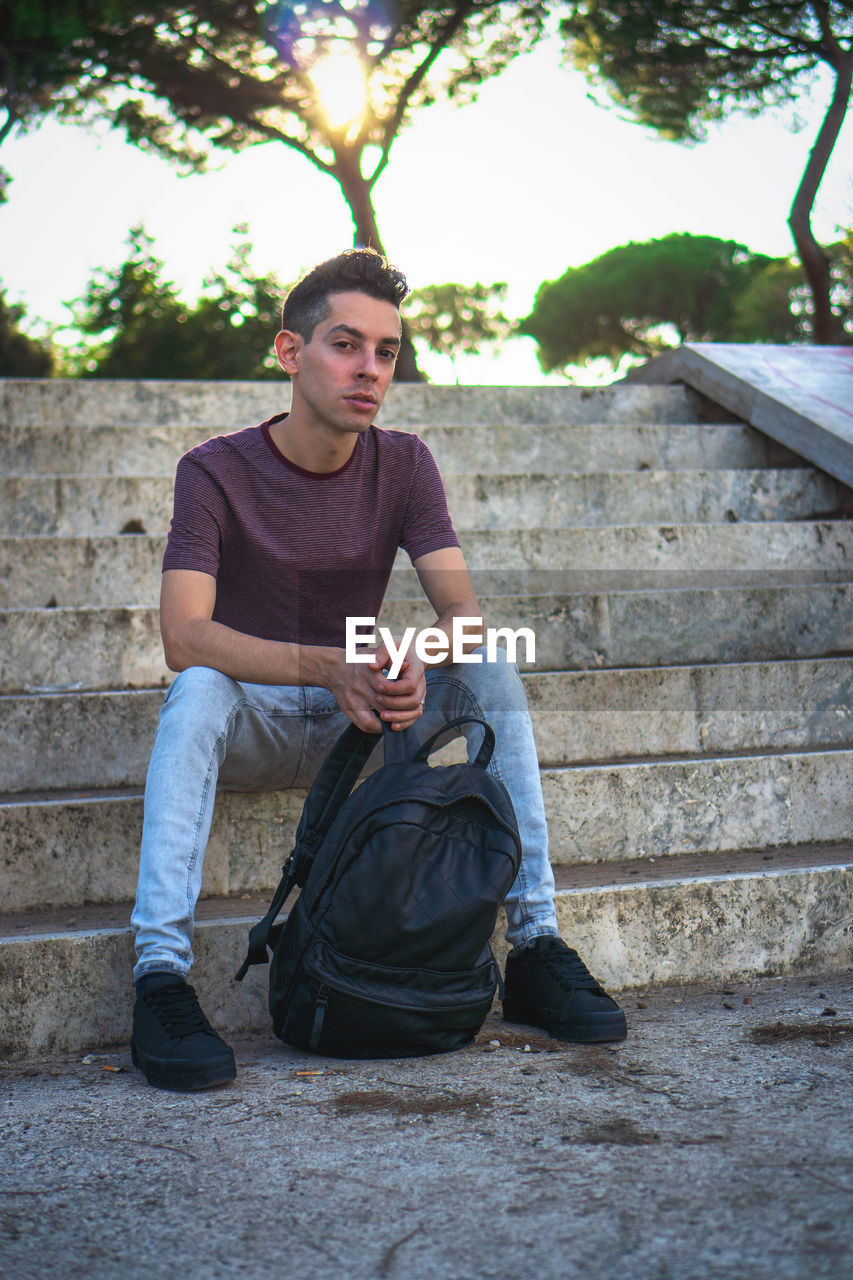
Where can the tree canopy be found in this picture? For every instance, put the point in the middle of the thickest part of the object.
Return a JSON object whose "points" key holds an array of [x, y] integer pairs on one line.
{"points": [[842, 264], [41, 54], [142, 329], [451, 318], [134, 324], [675, 66], [20, 355], [638, 298]]}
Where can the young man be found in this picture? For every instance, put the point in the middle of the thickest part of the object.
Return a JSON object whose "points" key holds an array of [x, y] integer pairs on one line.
{"points": [[279, 534]]}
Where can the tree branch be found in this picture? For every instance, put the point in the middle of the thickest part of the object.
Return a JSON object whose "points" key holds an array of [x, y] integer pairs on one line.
{"points": [[276, 135], [387, 45], [815, 262], [833, 51], [746, 50], [759, 55], [9, 123], [442, 40], [772, 29]]}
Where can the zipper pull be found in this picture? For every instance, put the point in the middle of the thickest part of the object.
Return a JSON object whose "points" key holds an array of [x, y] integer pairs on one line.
{"points": [[319, 1017]]}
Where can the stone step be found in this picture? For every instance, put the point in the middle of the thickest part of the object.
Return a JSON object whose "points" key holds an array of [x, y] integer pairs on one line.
{"points": [[82, 740], [47, 572], [43, 649], [56, 650], [740, 916], [227, 406], [93, 506], [675, 549], [671, 924], [74, 848], [68, 848], [707, 805], [475, 450]]}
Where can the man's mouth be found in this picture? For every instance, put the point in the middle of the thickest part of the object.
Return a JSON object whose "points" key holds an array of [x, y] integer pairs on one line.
{"points": [[362, 400]]}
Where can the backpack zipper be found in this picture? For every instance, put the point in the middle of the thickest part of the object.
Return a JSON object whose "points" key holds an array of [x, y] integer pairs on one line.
{"points": [[320, 1005]]}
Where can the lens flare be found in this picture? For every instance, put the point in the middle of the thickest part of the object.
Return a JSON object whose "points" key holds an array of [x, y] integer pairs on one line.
{"points": [[339, 80]]}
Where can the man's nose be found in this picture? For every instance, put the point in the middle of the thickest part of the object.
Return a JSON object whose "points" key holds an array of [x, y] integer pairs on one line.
{"points": [[368, 365]]}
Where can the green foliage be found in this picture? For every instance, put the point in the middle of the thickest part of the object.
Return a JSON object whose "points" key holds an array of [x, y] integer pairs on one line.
{"points": [[20, 355], [146, 331], [451, 318], [677, 65], [142, 328], [695, 288], [772, 306], [44, 49], [841, 265]]}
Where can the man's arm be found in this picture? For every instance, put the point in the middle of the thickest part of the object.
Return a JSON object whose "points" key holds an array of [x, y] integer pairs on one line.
{"points": [[191, 638], [447, 583], [445, 579]]}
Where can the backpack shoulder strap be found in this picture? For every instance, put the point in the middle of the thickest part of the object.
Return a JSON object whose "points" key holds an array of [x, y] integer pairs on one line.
{"points": [[334, 782]]}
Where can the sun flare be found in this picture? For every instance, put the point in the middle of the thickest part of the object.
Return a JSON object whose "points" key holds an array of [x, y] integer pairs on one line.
{"points": [[339, 81]]}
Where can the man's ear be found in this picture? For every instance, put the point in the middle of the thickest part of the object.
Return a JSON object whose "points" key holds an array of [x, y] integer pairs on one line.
{"points": [[287, 347]]}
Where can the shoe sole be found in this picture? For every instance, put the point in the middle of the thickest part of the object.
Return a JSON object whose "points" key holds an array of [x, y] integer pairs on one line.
{"points": [[594, 1028], [184, 1077]]}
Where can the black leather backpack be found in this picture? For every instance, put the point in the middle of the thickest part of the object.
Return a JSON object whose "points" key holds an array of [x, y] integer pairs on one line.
{"points": [[386, 952]]}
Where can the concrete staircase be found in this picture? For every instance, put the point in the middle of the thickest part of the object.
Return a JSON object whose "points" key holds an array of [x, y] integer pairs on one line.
{"points": [[689, 584]]}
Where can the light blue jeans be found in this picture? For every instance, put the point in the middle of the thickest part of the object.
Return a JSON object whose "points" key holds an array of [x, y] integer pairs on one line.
{"points": [[217, 733]]}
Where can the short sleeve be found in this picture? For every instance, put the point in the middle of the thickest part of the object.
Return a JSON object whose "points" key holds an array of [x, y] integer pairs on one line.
{"points": [[427, 525], [199, 520]]}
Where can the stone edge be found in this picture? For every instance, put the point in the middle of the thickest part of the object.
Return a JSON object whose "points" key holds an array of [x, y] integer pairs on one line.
{"points": [[783, 423]]}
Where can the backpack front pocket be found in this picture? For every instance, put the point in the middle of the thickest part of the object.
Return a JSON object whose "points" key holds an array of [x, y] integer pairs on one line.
{"points": [[350, 1008]]}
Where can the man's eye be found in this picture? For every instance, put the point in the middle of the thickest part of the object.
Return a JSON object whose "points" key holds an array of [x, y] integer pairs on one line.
{"points": [[389, 353]]}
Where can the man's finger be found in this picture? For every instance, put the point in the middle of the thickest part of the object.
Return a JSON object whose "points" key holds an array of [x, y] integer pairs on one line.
{"points": [[381, 659], [367, 721]]}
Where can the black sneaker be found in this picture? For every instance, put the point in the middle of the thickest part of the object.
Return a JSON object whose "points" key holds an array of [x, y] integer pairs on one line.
{"points": [[549, 986], [174, 1044]]}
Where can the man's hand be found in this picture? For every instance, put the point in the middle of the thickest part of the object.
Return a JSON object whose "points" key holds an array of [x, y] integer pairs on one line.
{"points": [[368, 697], [399, 702]]}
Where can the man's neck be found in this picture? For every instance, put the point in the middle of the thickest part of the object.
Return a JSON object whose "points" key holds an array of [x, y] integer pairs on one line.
{"points": [[308, 446]]}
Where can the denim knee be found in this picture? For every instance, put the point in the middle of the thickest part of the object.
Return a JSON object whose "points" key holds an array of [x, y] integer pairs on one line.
{"points": [[495, 682], [201, 696]]}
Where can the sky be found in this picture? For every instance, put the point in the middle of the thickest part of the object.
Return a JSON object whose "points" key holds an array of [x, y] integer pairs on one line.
{"points": [[532, 178]]}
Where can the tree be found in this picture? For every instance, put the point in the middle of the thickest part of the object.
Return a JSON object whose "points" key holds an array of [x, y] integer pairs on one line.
{"points": [[141, 328], [334, 80], [20, 355], [453, 317], [146, 331], [676, 65], [628, 301]]}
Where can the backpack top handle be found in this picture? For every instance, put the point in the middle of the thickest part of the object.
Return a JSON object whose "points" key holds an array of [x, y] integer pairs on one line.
{"points": [[398, 746]]}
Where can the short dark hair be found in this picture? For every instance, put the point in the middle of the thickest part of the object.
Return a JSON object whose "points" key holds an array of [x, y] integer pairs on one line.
{"points": [[355, 271]]}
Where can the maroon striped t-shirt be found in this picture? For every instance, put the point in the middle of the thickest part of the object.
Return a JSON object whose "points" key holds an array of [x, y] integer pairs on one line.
{"points": [[296, 552]]}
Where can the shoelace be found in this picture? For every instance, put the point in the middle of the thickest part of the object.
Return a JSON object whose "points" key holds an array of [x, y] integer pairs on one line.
{"points": [[566, 968], [177, 1006]]}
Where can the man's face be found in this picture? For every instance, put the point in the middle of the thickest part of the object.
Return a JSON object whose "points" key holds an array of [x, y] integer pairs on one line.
{"points": [[340, 377]]}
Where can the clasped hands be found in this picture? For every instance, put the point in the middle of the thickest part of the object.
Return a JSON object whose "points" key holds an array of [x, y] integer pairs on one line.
{"points": [[369, 698]]}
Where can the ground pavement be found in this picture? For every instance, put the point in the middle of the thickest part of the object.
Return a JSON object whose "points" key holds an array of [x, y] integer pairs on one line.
{"points": [[716, 1142]]}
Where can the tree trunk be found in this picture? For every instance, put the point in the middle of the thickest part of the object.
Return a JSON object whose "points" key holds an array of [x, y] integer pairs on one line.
{"points": [[357, 193], [814, 260]]}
